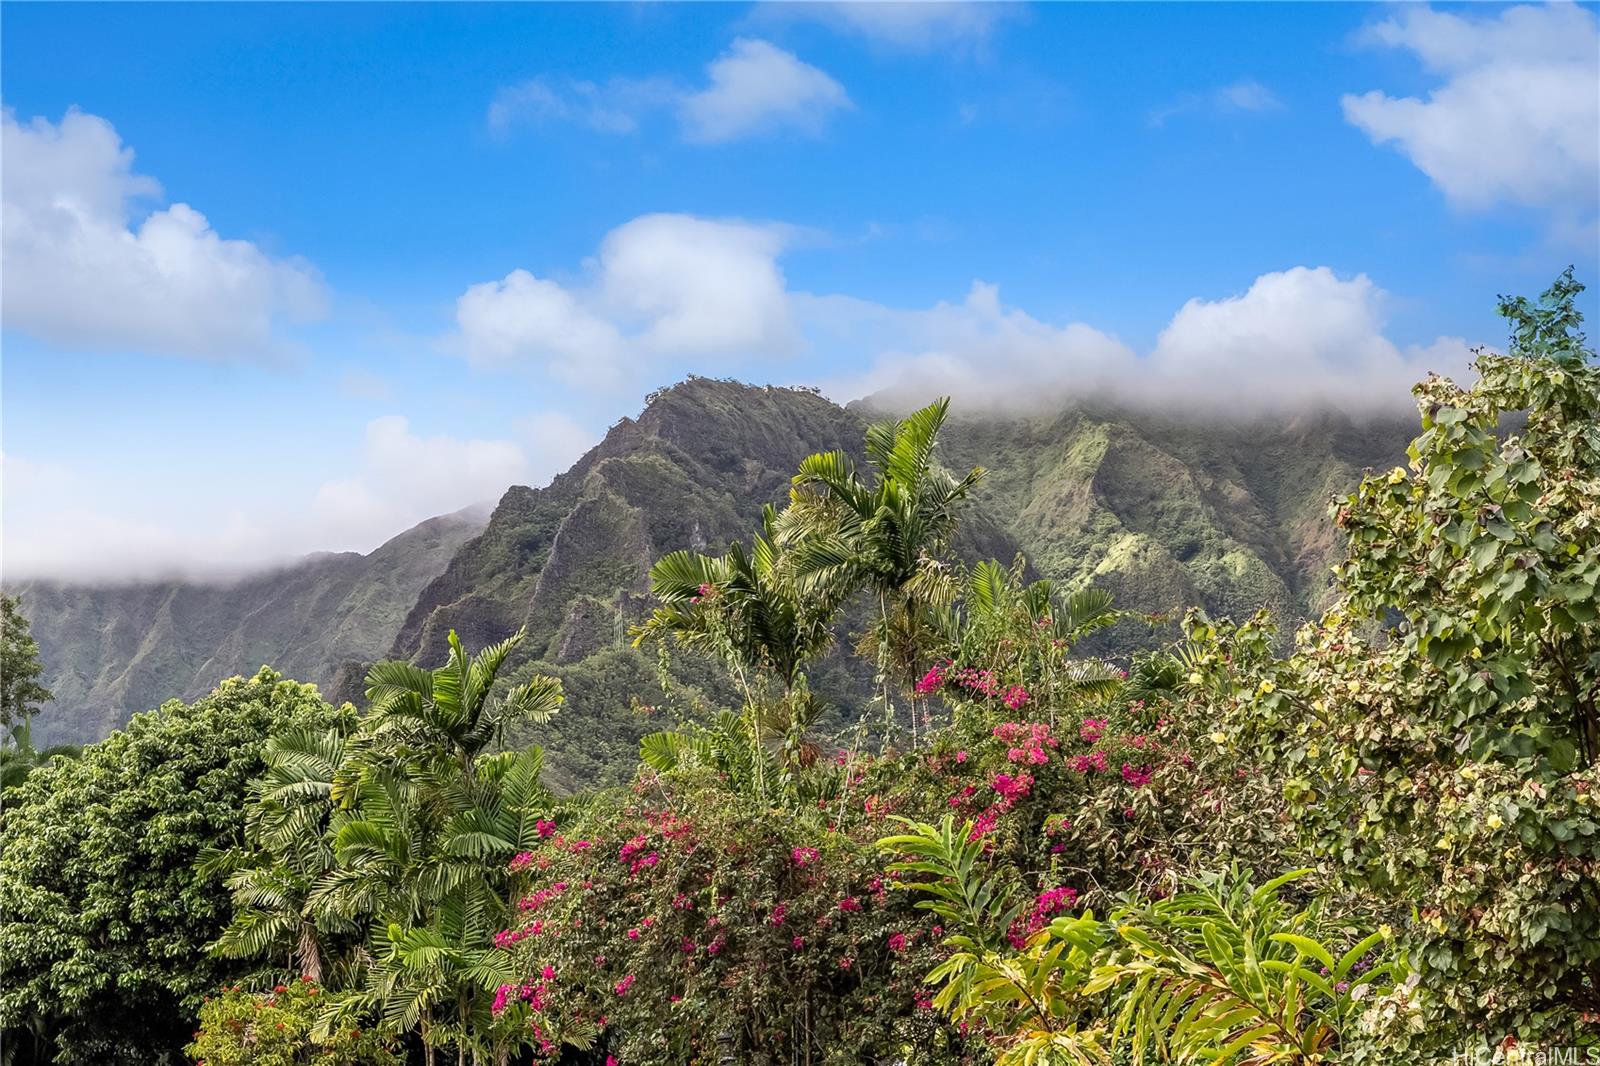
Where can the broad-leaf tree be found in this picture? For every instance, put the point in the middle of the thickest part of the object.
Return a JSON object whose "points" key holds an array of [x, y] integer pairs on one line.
{"points": [[1437, 731], [106, 906]]}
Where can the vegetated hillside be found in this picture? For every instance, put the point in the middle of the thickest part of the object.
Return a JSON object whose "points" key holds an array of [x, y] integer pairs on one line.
{"points": [[570, 560], [1163, 511], [1168, 512], [110, 651]]}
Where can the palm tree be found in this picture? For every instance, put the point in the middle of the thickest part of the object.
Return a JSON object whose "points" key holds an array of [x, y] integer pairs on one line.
{"points": [[745, 609], [1026, 630], [422, 857], [290, 851], [886, 536], [449, 710], [18, 758], [401, 831]]}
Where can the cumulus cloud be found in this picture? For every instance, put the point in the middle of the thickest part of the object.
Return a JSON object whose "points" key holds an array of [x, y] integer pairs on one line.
{"points": [[757, 87], [399, 478], [1516, 116], [1299, 338], [83, 270], [753, 88], [1241, 97], [661, 285], [912, 25]]}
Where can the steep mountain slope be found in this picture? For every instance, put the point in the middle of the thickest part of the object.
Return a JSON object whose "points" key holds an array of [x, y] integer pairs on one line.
{"points": [[112, 650], [1166, 512], [571, 560]]}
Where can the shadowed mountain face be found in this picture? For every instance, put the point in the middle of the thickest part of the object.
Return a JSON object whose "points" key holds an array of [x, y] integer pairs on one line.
{"points": [[1163, 511], [571, 561], [110, 651]]}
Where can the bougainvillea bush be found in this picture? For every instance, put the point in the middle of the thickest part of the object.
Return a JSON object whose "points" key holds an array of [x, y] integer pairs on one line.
{"points": [[657, 921]]}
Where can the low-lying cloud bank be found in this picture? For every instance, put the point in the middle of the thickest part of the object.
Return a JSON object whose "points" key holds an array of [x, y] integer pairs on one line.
{"points": [[1297, 339], [665, 288], [56, 528]]}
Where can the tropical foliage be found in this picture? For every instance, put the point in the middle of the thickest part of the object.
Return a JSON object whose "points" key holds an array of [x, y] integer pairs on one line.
{"points": [[1435, 732], [1379, 844], [106, 905]]}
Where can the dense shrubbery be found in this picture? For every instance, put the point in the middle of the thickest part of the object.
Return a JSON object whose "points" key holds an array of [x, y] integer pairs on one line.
{"points": [[278, 1027], [1383, 844], [1449, 761], [106, 907]]}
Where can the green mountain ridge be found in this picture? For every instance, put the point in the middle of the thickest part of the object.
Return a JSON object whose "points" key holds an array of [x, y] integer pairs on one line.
{"points": [[111, 650], [1162, 510]]}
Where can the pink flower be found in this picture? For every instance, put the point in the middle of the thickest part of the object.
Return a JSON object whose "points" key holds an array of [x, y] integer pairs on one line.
{"points": [[849, 903], [805, 856], [548, 973], [624, 984], [846, 962], [1015, 697], [798, 942], [1048, 904], [633, 934], [1138, 777], [1092, 729], [777, 914], [521, 861], [961, 756], [545, 827], [1011, 789], [897, 942], [930, 681]]}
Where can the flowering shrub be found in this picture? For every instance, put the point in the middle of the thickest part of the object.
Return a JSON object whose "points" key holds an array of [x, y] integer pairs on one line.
{"points": [[274, 1028], [1449, 764], [655, 920]]}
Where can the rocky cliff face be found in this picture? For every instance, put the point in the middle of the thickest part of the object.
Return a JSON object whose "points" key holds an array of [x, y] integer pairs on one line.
{"points": [[693, 471], [1167, 512]]}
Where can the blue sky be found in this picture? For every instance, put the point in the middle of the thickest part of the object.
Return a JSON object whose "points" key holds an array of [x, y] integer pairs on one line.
{"points": [[425, 251]]}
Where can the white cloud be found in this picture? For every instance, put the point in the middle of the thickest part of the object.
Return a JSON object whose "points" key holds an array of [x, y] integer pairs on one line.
{"points": [[1246, 96], [80, 272], [914, 25], [405, 478], [399, 478], [1516, 118], [615, 106], [1296, 339], [662, 285], [753, 88], [704, 292]]}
